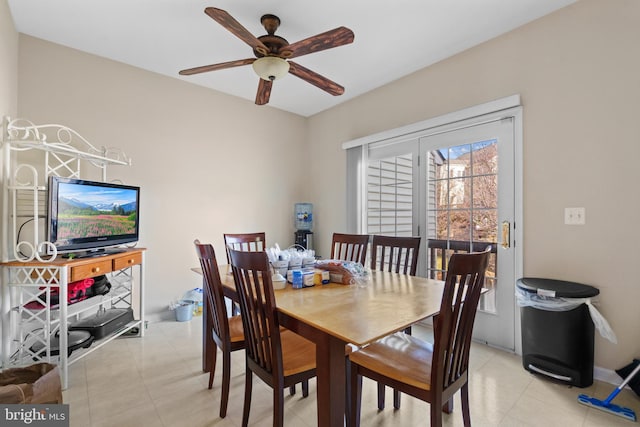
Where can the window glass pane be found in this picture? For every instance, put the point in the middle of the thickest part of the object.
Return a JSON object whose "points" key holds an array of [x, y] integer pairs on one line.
{"points": [[441, 199], [485, 191], [460, 224], [485, 157], [488, 300], [459, 159], [441, 225], [439, 164], [485, 225], [459, 192]]}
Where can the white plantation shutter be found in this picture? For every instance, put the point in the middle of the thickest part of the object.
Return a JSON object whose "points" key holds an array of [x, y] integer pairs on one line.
{"points": [[390, 196], [391, 205]]}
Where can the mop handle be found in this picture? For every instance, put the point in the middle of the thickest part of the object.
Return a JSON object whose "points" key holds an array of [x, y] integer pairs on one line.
{"points": [[621, 386], [630, 377]]}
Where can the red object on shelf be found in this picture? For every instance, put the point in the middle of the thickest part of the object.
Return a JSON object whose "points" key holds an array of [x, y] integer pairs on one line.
{"points": [[76, 291]]}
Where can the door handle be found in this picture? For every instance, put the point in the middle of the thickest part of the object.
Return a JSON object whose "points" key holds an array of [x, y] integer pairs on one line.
{"points": [[506, 234]]}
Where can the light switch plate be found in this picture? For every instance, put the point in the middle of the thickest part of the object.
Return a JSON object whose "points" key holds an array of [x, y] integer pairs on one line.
{"points": [[574, 216]]}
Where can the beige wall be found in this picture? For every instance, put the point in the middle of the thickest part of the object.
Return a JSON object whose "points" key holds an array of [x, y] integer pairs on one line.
{"points": [[208, 163], [577, 71], [9, 63], [8, 79]]}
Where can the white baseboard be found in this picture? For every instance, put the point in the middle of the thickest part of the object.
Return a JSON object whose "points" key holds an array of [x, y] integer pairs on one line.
{"points": [[606, 375], [160, 316]]}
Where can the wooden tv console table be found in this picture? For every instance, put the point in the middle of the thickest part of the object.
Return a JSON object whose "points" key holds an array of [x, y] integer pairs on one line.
{"points": [[28, 318]]}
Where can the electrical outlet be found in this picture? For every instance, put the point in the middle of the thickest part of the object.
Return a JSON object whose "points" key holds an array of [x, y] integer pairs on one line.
{"points": [[574, 216]]}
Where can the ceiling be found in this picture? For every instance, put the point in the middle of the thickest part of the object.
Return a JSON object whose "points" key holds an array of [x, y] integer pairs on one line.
{"points": [[392, 39]]}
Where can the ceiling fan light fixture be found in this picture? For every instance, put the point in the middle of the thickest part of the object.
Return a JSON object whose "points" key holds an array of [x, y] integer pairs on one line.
{"points": [[270, 67]]}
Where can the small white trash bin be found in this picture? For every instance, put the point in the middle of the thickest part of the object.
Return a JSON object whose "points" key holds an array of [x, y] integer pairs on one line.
{"points": [[184, 310]]}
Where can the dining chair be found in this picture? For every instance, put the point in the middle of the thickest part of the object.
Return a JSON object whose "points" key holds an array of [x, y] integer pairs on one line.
{"points": [[278, 356], [350, 247], [227, 332], [397, 255], [429, 372], [245, 242]]}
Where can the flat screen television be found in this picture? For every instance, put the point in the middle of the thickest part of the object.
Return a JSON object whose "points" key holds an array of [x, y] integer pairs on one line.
{"points": [[90, 216]]}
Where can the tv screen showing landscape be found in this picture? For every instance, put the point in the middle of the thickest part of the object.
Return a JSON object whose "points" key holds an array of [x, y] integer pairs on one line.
{"points": [[89, 211], [89, 214]]}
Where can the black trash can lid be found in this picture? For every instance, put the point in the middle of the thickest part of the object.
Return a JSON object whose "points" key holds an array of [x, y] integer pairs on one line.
{"points": [[556, 288]]}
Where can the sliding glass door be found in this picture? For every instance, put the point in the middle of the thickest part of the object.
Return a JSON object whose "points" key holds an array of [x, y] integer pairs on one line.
{"points": [[455, 189], [467, 206]]}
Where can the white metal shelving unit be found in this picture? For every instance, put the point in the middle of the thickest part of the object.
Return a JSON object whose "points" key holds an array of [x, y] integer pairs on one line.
{"points": [[30, 271], [25, 184]]}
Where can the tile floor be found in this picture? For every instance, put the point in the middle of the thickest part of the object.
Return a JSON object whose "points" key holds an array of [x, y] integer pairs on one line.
{"points": [[158, 381]]}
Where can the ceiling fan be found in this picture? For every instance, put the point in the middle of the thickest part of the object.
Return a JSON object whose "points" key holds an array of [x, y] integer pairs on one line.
{"points": [[273, 53]]}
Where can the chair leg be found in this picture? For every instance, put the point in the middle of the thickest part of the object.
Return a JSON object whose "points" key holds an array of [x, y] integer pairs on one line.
{"points": [[212, 372], [381, 397], [347, 390], [464, 397], [396, 393], [447, 408], [248, 384], [226, 380], [278, 407], [305, 389], [396, 399], [354, 398], [381, 391], [436, 413]]}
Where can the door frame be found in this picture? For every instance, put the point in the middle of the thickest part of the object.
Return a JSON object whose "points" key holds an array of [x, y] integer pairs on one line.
{"points": [[505, 107], [498, 328]]}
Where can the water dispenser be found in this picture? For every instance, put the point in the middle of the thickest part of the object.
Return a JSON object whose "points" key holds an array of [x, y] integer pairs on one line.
{"points": [[304, 223]]}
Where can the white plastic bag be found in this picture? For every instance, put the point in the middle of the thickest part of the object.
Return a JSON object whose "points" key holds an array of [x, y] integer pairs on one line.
{"points": [[529, 299]]}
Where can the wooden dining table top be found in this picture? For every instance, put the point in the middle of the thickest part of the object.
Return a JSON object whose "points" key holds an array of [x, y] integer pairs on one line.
{"points": [[358, 314]]}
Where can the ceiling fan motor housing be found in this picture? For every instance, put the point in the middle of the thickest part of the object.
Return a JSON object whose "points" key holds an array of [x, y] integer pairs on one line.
{"points": [[276, 45]]}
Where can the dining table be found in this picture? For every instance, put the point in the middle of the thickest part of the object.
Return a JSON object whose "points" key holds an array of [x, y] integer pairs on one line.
{"points": [[339, 317]]}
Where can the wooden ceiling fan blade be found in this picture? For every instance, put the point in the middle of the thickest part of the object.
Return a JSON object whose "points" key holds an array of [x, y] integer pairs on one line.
{"points": [[223, 18], [315, 79], [214, 67], [327, 40], [264, 92]]}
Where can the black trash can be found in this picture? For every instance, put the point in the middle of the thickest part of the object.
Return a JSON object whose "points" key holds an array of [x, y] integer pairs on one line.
{"points": [[557, 340]]}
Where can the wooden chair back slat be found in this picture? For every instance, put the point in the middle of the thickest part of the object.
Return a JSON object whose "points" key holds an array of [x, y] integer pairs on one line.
{"points": [[249, 242], [350, 247], [395, 254]]}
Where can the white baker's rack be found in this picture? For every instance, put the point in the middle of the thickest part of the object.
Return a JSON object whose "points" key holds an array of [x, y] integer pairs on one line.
{"points": [[25, 185], [24, 200]]}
